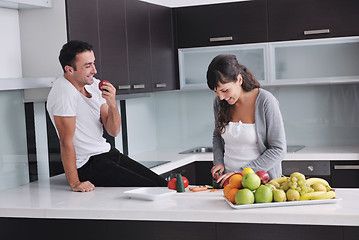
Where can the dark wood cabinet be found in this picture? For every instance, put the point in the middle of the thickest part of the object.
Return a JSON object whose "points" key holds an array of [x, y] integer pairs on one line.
{"points": [[138, 44], [163, 57], [308, 19], [82, 24], [278, 231], [344, 174], [197, 173], [129, 52], [113, 43], [222, 24]]}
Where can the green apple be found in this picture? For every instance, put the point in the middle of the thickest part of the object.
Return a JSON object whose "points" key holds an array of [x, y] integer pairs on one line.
{"points": [[263, 194], [270, 186], [244, 196], [251, 181]]}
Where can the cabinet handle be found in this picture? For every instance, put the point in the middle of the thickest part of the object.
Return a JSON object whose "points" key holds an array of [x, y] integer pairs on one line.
{"points": [[161, 85], [138, 86], [219, 39], [121, 87], [346, 167], [313, 32]]}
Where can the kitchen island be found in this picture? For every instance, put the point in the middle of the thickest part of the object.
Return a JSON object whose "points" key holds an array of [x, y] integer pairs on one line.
{"points": [[204, 215], [47, 208]]}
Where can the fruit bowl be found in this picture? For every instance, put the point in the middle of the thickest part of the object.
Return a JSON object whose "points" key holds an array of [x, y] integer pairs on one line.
{"points": [[282, 204]]}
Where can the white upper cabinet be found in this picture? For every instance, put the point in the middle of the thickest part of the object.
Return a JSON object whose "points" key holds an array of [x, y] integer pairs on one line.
{"points": [[320, 61], [193, 62], [332, 60], [25, 4]]}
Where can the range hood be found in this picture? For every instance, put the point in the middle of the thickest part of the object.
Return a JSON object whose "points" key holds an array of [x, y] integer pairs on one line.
{"points": [[25, 4]]}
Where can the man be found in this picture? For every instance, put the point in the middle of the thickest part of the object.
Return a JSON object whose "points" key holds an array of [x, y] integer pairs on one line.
{"points": [[79, 110]]}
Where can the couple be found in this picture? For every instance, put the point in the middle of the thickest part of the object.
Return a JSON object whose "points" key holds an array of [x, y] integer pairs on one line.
{"points": [[79, 110]]}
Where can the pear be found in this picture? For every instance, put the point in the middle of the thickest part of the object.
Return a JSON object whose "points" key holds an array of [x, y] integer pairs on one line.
{"points": [[279, 195], [319, 187], [293, 195]]}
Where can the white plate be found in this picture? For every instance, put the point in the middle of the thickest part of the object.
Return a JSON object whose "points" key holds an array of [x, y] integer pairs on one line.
{"points": [[282, 204], [150, 193]]}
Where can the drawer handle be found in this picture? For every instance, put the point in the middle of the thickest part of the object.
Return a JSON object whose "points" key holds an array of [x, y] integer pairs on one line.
{"points": [[138, 86], [219, 39], [346, 167], [161, 85], [121, 87], [313, 32]]}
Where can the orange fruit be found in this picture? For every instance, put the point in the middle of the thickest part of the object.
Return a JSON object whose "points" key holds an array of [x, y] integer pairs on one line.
{"points": [[236, 181], [226, 189], [247, 170], [231, 195]]}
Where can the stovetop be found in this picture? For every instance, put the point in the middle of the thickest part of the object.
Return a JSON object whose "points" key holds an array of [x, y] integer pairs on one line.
{"points": [[151, 164]]}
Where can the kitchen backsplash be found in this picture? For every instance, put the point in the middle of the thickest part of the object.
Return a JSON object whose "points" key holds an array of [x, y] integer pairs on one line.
{"points": [[319, 115]]}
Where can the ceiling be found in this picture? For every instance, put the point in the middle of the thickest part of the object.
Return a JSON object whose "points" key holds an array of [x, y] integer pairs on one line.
{"points": [[183, 3]]}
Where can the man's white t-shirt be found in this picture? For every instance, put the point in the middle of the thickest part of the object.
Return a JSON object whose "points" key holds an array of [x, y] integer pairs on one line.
{"points": [[66, 101]]}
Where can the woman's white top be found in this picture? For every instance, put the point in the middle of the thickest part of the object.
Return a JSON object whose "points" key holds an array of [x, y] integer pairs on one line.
{"points": [[241, 145]]}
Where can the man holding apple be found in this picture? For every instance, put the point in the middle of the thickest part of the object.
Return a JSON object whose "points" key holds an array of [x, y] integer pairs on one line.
{"points": [[79, 110]]}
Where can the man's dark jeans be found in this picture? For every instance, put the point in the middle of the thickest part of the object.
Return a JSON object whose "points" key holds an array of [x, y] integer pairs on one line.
{"points": [[113, 169]]}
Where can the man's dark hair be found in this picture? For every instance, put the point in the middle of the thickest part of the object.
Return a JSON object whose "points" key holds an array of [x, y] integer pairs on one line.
{"points": [[69, 51]]}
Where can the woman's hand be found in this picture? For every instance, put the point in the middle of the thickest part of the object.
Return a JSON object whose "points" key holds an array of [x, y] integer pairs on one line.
{"points": [[215, 168], [224, 177]]}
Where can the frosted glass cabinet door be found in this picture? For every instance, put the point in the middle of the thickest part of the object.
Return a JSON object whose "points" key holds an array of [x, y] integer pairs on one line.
{"points": [[193, 62], [315, 61]]}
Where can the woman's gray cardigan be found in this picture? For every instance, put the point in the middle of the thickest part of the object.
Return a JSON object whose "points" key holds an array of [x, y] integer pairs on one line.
{"points": [[270, 134]]}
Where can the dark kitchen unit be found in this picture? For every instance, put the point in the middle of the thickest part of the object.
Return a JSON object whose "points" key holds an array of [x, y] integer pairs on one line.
{"points": [[339, 174], [344, 174]]}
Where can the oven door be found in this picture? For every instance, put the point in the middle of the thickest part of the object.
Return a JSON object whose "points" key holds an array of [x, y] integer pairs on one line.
{"points": [[345, 174], [319, 169]]}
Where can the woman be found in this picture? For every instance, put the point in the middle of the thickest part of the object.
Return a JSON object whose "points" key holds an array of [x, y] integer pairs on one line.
{"points": [[249, 130]]}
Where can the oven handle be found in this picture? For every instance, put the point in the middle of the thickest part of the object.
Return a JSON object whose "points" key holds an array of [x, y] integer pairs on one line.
{"points": [[346, 167]]}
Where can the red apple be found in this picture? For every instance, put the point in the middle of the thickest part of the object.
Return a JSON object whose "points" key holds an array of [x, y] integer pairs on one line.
{"points": [[101, 83], [264, 176]]}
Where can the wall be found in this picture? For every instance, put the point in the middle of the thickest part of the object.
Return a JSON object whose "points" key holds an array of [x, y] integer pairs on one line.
{"points": [[10, 57], [322, 115]]}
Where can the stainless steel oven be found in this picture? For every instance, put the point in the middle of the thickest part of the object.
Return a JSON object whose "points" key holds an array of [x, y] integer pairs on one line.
{"points": [[339, 174], [319, 169]]}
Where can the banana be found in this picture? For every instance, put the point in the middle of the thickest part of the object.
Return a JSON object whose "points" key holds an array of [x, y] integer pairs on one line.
{"points": [[297, 175], [309, 196], [326, 195], [279, 180], [311, 181], [317, 195]]}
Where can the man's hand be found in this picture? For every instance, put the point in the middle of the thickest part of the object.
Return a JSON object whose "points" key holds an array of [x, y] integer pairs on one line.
{"points": [[82, 187], [109, 93]]}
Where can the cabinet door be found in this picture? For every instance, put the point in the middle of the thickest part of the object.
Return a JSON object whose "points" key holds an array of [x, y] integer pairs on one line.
{"points": [[113, 46], [312, 61], [138, 39], [219, 24], [193, 62], [162, 49], [82, 24], [307, 19], [345, 174]]}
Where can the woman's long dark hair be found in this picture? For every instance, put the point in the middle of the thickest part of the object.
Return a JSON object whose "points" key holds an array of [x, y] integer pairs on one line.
{"points": [[224, 69]]}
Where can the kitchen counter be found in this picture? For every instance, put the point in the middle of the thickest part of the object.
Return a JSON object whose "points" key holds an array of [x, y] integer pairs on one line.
{"points": [[344, 153], [53, 199]]}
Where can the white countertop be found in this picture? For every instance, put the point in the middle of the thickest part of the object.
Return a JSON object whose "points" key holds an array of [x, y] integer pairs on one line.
{"points": [[52, 198]]}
